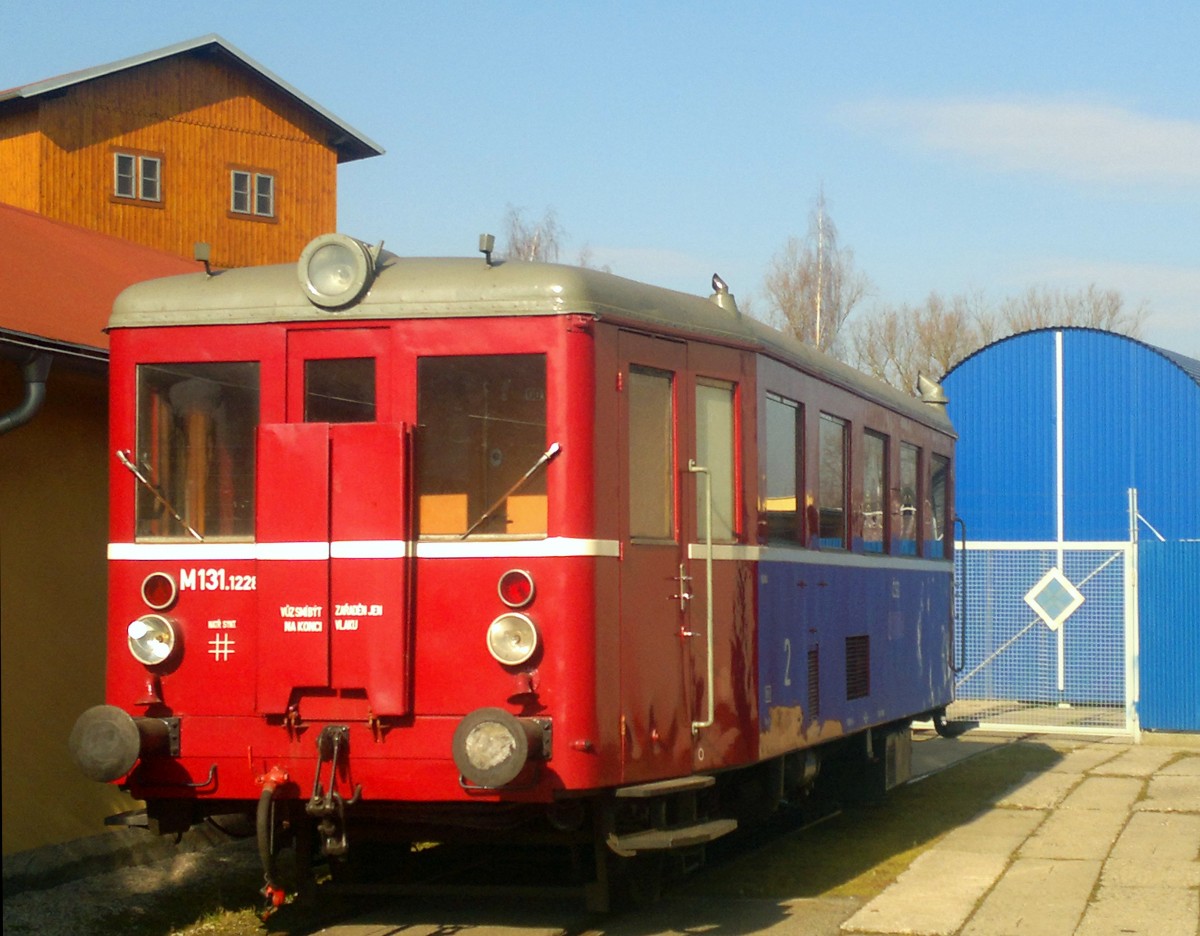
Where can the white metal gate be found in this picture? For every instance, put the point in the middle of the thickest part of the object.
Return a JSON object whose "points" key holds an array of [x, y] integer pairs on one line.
{"points": [[1047, 637]]}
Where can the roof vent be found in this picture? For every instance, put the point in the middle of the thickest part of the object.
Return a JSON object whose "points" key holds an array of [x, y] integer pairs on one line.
{"points": [[722, 296], [931, 391]]}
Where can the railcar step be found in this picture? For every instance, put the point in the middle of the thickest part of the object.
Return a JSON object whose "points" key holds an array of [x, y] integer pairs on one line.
{"points": [[665, 787], [665, 839]]}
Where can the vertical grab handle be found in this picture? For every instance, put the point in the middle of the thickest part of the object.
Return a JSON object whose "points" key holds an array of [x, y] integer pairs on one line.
{"points": [[708, 590], [960, 659]]}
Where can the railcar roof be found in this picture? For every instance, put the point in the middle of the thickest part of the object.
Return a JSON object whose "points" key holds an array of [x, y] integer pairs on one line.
{"points": [[413, 288]]}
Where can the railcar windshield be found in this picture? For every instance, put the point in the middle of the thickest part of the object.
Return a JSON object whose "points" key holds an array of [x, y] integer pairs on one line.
{"points": [[195, 450], [481, 426]]}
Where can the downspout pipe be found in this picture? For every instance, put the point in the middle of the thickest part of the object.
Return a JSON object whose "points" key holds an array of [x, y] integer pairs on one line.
{"points": [[35, 369]]}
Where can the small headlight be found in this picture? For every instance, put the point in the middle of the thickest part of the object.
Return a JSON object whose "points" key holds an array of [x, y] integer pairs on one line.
{"points": [[512, 639], [151, 639], [335, 270]]}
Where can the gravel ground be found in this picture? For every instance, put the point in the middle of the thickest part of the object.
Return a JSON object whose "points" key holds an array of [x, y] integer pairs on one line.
{"points": [[158, 897]]}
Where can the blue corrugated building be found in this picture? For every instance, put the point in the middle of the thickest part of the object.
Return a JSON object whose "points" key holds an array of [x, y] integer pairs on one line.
{"points": [[1074, 444]]}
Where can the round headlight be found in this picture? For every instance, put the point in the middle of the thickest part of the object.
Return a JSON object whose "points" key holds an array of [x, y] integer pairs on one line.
{"points": [[335, 270], [151, 639], [512, 639]]}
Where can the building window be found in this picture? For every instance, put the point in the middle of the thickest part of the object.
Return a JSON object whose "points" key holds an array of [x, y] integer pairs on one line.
{"points": [[137, 178], [252, 193]]}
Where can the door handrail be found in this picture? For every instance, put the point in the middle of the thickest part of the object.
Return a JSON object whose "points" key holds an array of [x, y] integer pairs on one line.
{"points": [[708, 589]]}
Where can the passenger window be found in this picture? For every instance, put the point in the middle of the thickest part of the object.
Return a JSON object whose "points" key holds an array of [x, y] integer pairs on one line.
{"points": [[714, 451], [937, 539], [875, 488], [651, 454], [339, 390], [832, 483], [908, 499], [782, 480], [482, 427], [196, 448]]}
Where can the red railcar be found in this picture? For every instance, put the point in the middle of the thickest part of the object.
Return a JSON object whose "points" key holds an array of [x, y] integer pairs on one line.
{"points": [[440, 546]]}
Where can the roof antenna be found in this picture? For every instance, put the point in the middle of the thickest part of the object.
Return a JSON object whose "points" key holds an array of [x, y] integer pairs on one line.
{"points": [[487, 243], [202, 252]]}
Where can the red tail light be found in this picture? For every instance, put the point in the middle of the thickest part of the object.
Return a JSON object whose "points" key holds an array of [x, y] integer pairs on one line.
{"points": [[516, 588]]}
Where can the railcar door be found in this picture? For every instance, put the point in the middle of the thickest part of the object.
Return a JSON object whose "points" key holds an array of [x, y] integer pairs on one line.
{"points": [[656, 590], [333, 524]]}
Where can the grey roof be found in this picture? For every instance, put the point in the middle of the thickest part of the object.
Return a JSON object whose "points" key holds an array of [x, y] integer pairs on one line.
{"points": [[349, 143]]}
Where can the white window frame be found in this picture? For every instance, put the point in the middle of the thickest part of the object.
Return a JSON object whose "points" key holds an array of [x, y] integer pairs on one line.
{"points": [[142, 178], [258, 191]]}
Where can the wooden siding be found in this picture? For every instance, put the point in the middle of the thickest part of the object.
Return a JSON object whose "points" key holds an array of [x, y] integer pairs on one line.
{"points": [[20, 161], [201, 114]]}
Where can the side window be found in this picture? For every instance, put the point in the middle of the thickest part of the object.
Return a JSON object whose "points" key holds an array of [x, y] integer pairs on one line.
{"points": [[339, 390], [196, 447], [909, 456], [937, 535], [651, 448], [782, 458], [715, 451], [482, 427], [831, 494], [875, 493]]}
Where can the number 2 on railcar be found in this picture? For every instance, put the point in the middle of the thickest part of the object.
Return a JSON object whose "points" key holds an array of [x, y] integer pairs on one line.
{"points": [[470, 549]]}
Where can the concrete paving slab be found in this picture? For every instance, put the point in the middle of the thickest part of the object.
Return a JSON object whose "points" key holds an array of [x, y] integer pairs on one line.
{"points": [[1036, 897], [1186, 766], [996, 832], [1153, 836], [1105, 793], [1132, 872], [1172, 794], [1081, 834], [686, 917], [1082, 759], [1040, 791], [1135, 762], [1142, 911], [933, 897]]}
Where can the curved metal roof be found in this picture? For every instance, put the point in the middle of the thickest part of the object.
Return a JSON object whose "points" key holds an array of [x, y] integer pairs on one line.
{"points": [[1189, 366]]}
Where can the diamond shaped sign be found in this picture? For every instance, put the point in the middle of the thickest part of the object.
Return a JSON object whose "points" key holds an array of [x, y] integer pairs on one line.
{"points": [[1054, 598]]}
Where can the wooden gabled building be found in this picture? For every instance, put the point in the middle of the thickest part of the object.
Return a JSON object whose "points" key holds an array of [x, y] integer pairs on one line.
{"points": [[109, 176], [196, 142]]}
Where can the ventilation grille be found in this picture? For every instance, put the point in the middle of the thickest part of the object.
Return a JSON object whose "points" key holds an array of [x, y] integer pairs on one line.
{"points": [[814, 683], [858, 667]]}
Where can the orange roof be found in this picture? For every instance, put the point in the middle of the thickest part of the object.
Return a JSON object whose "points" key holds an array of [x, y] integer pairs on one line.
{"points": [[60, 280]]}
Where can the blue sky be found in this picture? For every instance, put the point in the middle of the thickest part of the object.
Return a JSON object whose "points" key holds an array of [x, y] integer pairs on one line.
{"points": [[962, 147]]}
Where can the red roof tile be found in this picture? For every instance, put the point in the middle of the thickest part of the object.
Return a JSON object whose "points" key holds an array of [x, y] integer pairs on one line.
{"points": [[59, 280]]}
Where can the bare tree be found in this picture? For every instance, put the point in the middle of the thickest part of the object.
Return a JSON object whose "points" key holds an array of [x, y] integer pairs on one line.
{"points": [[537, 240], [895, 343], [812, 285], [1092, 307]]}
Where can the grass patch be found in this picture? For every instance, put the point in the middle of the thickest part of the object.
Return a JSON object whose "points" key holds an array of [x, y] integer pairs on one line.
{"points": [[861, 851]]}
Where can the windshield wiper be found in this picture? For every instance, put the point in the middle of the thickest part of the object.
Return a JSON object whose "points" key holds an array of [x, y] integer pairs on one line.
{"points": [[124, 459], [546, 456]]}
